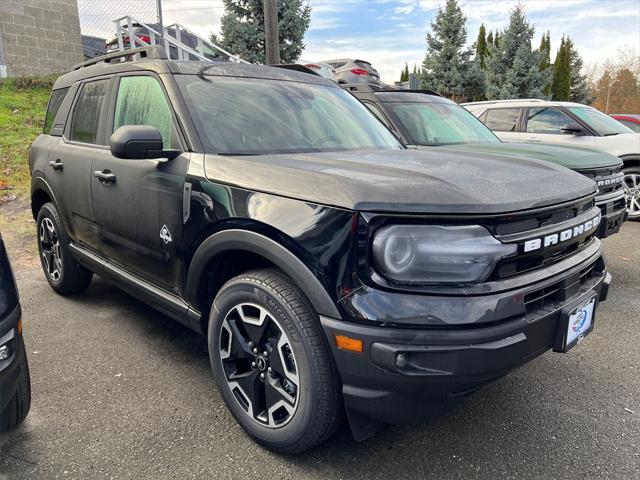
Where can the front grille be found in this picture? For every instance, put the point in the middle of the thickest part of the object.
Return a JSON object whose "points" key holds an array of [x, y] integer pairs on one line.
{"points": [[541, 301], [544, 256], [608, 179]]}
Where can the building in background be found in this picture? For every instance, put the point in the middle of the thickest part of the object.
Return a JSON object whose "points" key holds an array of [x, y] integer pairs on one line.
{"points": [[39, 37]]}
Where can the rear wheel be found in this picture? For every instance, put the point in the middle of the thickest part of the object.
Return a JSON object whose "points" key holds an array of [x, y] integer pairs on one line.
{"points": [[64, 274], [632, 190], [272, 364], [18, 407]]}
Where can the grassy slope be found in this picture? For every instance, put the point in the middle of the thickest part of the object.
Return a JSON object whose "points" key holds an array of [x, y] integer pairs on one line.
{"points": [[22, 107]]}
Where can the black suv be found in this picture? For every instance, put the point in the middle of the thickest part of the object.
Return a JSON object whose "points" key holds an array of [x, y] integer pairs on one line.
{"points": [[331, 269], [15, 384]]}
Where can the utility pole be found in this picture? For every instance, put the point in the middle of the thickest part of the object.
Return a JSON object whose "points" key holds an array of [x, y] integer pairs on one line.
{"points": [[159, 4], [271, 34]]}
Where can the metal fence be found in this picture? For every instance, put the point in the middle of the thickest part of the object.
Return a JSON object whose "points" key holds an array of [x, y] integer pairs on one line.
{"points": [[97, 20]]}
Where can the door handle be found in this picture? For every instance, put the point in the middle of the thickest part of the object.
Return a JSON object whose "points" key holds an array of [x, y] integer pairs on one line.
{"points": [[105, 176], [56, 164]]}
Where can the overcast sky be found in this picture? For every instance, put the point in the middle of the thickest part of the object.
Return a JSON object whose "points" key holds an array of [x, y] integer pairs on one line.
{"points": [[391, 32]]}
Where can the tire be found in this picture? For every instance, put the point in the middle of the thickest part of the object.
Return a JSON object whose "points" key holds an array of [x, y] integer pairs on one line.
{"points": [[632, 185], [64, 274], [18, 407], [295, 347]]}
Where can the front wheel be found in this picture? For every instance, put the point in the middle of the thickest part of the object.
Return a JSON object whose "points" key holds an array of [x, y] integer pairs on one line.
{"points": [[632, 190], [272, 364]]}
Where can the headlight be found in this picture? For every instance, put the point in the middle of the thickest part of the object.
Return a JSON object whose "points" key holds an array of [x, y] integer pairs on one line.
{"points": [[437, 254]]}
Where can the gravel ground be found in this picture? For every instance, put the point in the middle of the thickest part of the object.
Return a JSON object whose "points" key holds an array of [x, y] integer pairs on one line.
{"points": [[119, 391]]}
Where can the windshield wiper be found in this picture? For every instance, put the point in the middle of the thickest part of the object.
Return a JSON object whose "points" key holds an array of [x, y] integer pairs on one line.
{"points": [[611, 134]]}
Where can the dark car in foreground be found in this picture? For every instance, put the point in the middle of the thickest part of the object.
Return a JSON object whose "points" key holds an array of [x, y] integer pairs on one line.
{"points": [[15, 383], [331, 269], [423, 118]]}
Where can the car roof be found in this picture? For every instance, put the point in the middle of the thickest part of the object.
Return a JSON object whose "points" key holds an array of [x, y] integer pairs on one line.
{"points": [[523, 102], [155, 63]]}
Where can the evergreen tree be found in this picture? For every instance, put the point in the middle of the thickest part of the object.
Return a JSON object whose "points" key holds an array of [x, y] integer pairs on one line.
{"points": [[447, 64], [404, 76], [561, 84], [545, 62], [513, 67], [481, 46], [496, 39], [242, 29], [489, 40], [580, 90]]}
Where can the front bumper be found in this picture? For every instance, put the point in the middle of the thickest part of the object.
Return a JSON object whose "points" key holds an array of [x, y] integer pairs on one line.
{"points": [[614, 213], [408, 375], [9, 368]]}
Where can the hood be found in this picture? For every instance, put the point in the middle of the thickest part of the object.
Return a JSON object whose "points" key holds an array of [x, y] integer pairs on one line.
{"points": [[621, 144], [575, 158], [405, 181]]}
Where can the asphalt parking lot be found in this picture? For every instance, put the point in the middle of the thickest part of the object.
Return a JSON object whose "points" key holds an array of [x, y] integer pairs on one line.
{"points": [[119, 391]]}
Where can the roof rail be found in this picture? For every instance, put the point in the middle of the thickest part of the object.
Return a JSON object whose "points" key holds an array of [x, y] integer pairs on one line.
{"points": [[298, 67], [372, 87], [363, 87], [155, 52], [510, 100]]}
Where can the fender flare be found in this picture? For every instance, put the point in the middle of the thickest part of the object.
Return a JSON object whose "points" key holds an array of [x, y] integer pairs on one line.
{"points": [[236, 239], [39, 183]]}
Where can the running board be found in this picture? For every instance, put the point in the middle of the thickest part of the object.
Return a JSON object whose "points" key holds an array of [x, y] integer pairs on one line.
{"points": [[163, 301]]}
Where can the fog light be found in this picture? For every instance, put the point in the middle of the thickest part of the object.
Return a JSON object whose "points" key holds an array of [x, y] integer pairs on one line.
{"points": [[5, 352], [402, 360]]}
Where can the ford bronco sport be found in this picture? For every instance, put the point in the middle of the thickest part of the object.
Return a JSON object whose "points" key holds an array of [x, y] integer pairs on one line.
{"points": [[332, 270], [422, 118]]}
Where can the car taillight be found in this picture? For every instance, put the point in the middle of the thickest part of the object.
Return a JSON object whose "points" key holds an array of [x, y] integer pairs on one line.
{"points": [[313, 66], [359, 71], [145, 38]]}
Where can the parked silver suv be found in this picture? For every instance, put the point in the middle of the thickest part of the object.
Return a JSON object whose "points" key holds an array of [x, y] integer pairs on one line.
{"points": [[354, 71]]}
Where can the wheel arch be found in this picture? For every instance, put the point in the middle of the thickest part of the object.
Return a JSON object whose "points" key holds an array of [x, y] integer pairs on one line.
{"points": [[252, 248], [630, 160], [40, 194]]}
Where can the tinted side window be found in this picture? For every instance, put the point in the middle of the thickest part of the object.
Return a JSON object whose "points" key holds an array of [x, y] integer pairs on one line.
{"points": [[57, 96], [88, 111], [141, 101], [546, 120], [502, 119]]}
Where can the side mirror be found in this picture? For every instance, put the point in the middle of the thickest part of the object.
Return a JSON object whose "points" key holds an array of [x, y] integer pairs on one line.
{"points": [[572, 129], [139, 142]]}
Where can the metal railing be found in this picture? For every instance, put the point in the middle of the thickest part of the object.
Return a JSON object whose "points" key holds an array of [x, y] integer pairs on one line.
{"points": [[171, 38]]}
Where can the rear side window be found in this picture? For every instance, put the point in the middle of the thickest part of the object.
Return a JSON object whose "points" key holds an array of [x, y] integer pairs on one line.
{"points": [[88, 111], [57, 96], [502, 119], [141, 101]]}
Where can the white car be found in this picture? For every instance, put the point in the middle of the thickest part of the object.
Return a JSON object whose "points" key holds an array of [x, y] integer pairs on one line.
{"points": [[567, 123]]}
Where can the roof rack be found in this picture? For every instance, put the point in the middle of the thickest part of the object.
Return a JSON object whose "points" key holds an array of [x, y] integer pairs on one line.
{"points": [[154, 52], [372, 87]]}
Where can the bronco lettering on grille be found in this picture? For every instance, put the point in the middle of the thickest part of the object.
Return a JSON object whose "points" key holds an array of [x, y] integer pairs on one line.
{"points": [[562, 236]]}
